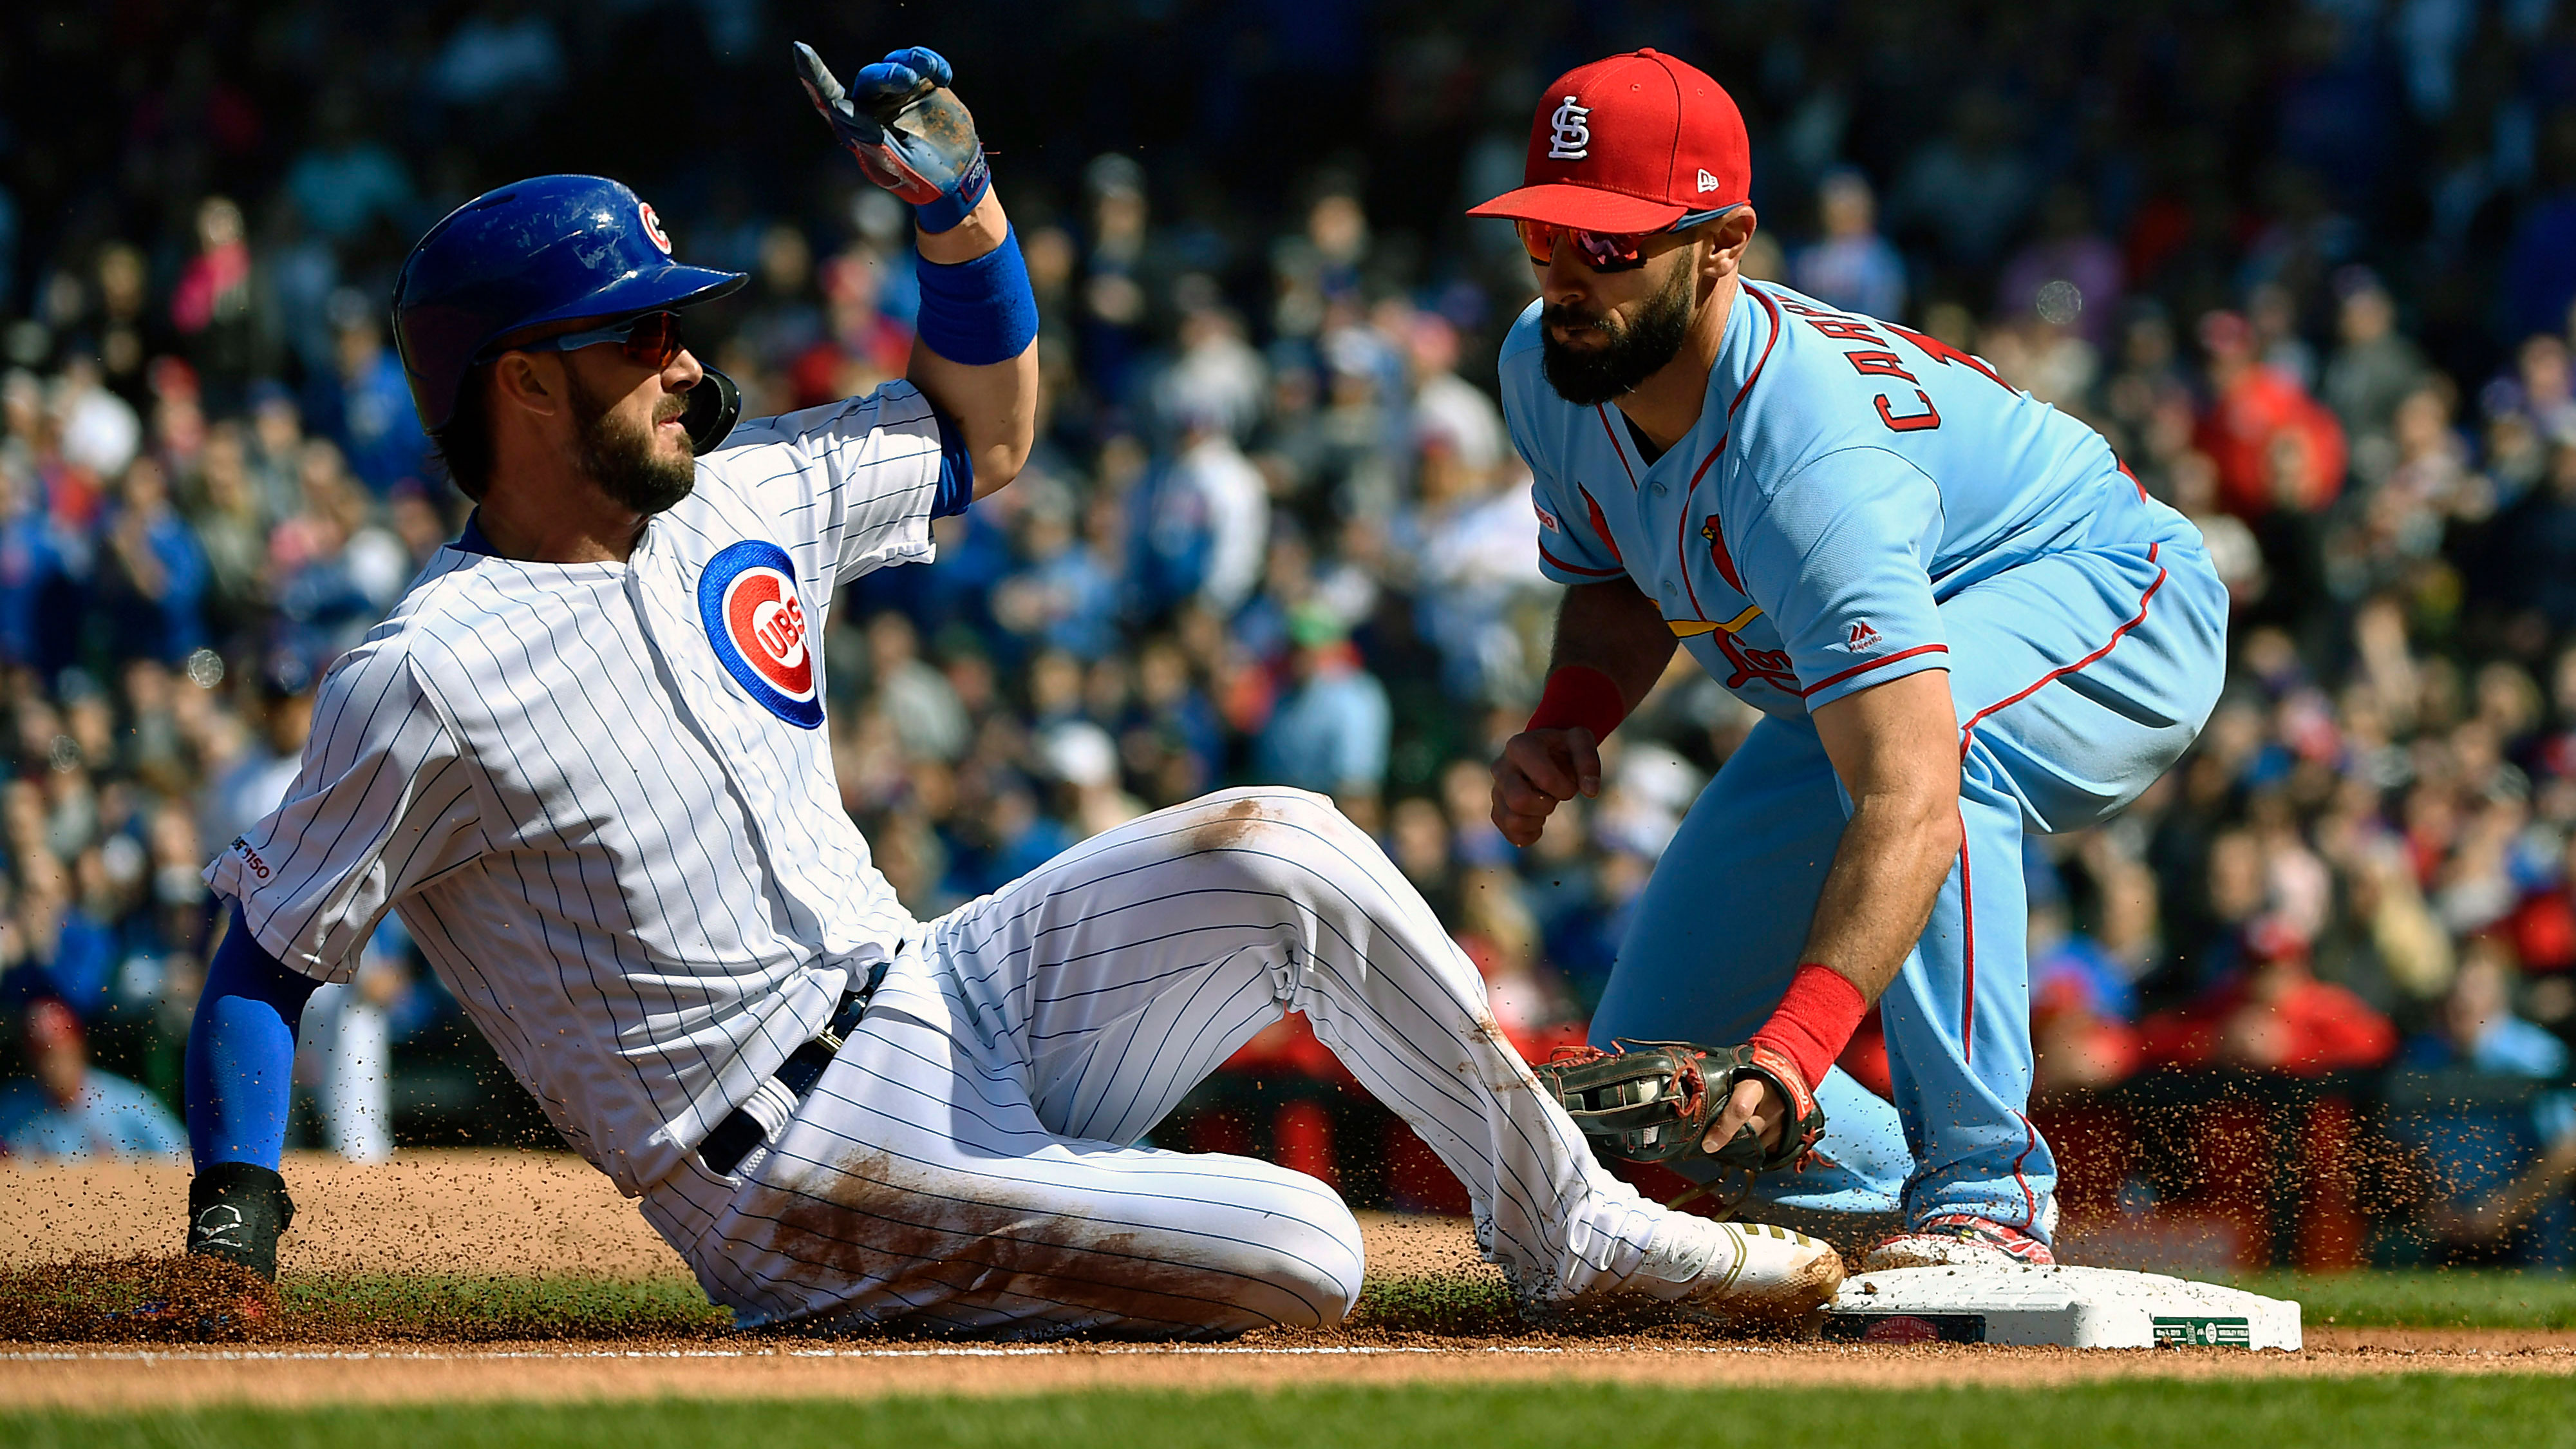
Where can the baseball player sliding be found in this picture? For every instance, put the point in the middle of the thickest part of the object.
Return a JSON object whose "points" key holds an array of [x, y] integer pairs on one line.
{"points": [[583, 759], [1961, 619]]}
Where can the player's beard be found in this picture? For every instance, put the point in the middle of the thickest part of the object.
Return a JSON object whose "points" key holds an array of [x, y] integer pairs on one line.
{"points": [[619, 456], [1632, 352]]}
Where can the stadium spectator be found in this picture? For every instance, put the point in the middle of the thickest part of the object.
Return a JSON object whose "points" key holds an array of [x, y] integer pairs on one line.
{"points": [[1329, 732], [1851, 266], [65, 1108], [2273, 1015], [2276, 448]]}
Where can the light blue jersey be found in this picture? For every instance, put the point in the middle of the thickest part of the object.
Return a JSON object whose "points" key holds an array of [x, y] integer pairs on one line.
{"points": [[1846, 477], [1855, 504]]}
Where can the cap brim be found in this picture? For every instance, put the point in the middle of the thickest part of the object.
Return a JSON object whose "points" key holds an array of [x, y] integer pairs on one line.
{"points": [[1588, 207], [663, 289]]}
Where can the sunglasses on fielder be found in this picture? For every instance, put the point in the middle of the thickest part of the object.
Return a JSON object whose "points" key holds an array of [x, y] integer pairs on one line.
{"points": [[1602, 251], [649, 339]]}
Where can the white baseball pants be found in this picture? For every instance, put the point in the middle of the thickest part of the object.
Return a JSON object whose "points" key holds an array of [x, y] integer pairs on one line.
{"points": [[966, 1162]]}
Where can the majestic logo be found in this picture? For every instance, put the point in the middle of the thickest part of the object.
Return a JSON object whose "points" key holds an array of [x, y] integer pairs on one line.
{"points": [[1707, 183], [653, 226], [1573, 138], [1546, 519], [1862, 636], [756, 624]]}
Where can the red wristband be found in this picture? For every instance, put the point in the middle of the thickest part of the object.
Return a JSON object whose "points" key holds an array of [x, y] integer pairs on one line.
{"points": [[1579, 694], [1815, 1020]]}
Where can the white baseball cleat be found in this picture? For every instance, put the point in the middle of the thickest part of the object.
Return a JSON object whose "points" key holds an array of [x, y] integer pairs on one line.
{"points": [[1958, 1240], [1738, 1270]]}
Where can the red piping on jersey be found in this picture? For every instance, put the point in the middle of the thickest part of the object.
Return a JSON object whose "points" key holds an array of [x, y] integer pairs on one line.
{"points": [[1833, 679], [1967, 900], [1682, 531], [1599, 412], [1774, 309], [2062, 671], [1681, 543], [2030, 1199], [1554, 562], [2132, 477], [1968, 948]]}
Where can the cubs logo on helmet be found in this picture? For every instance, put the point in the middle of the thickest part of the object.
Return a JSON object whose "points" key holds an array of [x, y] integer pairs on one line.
{"points": [[757, 625]]}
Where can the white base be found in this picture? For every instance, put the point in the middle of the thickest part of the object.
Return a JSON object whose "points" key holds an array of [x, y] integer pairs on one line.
{"points": [[2074, 1307]]}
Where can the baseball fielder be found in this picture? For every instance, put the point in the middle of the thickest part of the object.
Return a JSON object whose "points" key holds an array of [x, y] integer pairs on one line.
{"points": [[1962, 621], [583, 758]]}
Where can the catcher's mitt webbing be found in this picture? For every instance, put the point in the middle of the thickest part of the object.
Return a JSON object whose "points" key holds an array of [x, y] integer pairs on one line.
{"points": [[1654, 1101]]}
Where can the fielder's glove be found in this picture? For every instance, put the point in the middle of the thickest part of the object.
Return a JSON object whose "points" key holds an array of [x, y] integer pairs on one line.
{"points": [[236, 1210], [910, 132], [1654, 1101]]}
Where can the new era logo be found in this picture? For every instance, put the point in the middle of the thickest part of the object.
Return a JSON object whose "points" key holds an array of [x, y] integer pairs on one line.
{"points": [[1707, 183]]}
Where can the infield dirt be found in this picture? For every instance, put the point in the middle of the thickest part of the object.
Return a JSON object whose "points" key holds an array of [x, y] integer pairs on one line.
{"points": [[537, 1215]]}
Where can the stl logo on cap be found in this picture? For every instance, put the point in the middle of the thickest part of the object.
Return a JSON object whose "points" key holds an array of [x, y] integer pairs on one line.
{"points": [[1573, 138], [652, 220], [756, 623]]}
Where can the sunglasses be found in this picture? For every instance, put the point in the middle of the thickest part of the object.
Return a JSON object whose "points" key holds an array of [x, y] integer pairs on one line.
{"points": [[650, 339], [1602, 251]]}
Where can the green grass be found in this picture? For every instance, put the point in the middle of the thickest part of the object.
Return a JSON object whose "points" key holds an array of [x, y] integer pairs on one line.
{"points": [[2425, 1298], [2412, 1411]]}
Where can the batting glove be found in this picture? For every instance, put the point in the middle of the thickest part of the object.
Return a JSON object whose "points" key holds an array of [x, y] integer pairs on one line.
{"points": [[910, 132]]}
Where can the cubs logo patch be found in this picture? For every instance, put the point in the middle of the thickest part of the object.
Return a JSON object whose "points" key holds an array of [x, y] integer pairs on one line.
{"points": [[653, 232], [756, 624]]}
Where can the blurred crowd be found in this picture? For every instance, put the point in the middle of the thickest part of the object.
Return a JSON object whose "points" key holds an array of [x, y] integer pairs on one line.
{"points": [[2309, 266]]}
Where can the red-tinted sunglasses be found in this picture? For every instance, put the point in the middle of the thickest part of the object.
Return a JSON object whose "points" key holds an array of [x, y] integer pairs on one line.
{"points": [[650, 339], [1602, 251]]}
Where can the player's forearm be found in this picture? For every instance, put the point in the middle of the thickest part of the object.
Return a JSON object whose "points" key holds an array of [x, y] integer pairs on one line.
{"points": [[1896, 851], [1894, 746], [1614, 628], [977, 306]]}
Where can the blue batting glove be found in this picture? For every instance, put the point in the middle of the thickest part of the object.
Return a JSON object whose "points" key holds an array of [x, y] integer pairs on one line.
{"points": [[909, 131]]}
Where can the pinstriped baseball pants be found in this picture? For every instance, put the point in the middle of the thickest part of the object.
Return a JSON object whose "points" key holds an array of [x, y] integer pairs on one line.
{"points": [[967, 1161]]}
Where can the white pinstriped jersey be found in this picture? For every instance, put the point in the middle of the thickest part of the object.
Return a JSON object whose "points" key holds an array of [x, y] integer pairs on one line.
{"points": [[599, 794]]}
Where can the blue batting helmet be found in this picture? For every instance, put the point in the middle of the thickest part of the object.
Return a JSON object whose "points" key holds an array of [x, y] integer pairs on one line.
{"points": [[547, 249]]}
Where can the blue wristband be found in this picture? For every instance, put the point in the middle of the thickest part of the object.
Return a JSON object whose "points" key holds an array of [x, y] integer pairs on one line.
{"points": [[979, 312]]}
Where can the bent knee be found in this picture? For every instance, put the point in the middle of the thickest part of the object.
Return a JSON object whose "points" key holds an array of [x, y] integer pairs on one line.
{"points": [[1273, 820], [1303, 1268], [1317, 1270]]}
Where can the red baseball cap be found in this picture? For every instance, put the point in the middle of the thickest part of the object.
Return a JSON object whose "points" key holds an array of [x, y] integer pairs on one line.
{"points": [[1631, 144]]}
